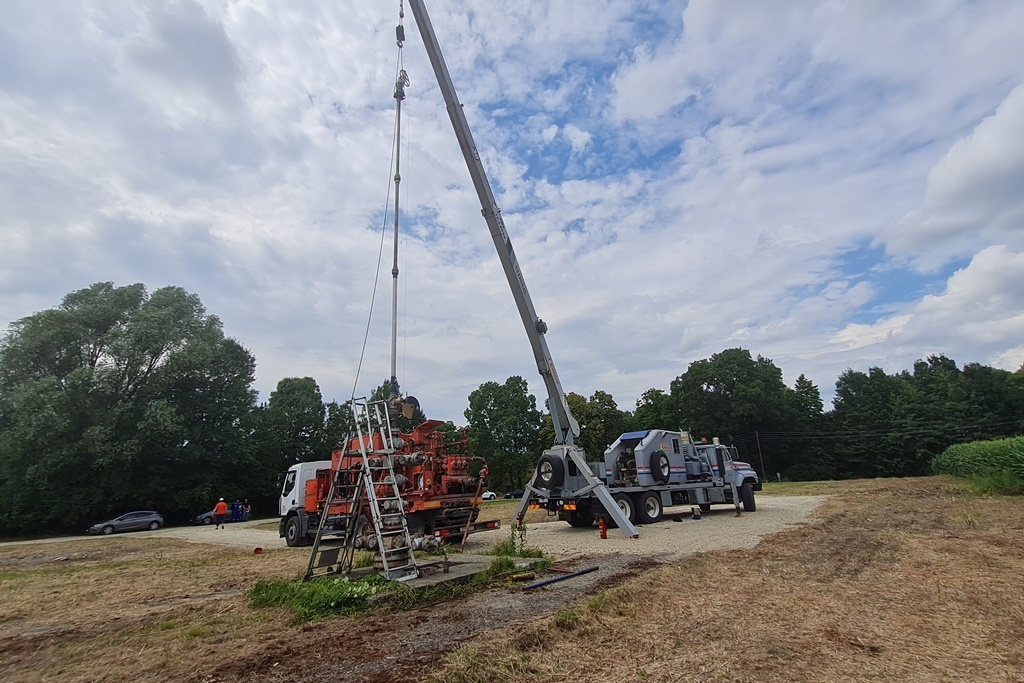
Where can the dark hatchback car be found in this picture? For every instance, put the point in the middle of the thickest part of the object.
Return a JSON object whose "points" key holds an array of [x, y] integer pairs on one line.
{"points": [[132, 521], [518, 493]]}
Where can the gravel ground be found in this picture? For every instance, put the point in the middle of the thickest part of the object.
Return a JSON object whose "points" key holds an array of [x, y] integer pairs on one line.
{"points": [[718, 529], [241, 534]]}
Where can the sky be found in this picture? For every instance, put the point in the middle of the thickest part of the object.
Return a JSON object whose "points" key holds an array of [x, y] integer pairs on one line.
{"points": [[830, 184]]}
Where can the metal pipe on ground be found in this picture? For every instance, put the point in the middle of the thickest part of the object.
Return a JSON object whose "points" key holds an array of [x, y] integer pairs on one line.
{"points": [[538, 584]]}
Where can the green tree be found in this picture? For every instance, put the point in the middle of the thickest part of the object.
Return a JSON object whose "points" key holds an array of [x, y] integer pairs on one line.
{"points": [[504, 428], [655, 409], [601, 422], [866, 441], [812, 455], [113, 400], [734, 397]]}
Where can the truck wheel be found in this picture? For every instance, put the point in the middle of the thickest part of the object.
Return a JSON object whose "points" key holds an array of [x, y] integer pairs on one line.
{"points": [[291, 533], [649, 509], [747, 497], [706, 507], [581, 518], [625, 504], [550, 472], [660, 468]]}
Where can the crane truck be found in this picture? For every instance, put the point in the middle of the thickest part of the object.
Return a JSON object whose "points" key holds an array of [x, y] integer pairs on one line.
{"points": [[642, 472]]}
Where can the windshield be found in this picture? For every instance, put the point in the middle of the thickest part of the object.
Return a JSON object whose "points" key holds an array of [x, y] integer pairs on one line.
{"points": [[289, 483]]}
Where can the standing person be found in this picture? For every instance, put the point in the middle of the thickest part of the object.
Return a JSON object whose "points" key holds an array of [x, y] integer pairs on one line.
{"points": [[236, 510], [246, 510], [219, 510]]}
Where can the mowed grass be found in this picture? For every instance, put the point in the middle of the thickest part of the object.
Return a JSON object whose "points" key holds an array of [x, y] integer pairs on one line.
{"points": [[897, 580], [127, 608], [909, 580]]}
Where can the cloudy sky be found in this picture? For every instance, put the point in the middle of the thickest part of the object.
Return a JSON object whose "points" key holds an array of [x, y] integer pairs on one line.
{"points": [[829, 184]]}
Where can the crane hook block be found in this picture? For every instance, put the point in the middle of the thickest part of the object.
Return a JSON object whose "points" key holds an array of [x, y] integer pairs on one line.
{"points": [[400, 34], [542, 327]]}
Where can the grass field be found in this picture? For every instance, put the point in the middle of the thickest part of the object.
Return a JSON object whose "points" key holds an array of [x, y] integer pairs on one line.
{"points": [[908, 580], [899, 580]]}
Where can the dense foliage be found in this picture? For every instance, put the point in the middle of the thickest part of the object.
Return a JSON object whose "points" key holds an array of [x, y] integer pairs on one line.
{"points": [[504, 426], [119, 399], [881, 425], [982, 458]]}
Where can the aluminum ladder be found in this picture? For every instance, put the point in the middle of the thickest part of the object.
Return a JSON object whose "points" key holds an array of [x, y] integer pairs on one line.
{"points": [[372, 490]]}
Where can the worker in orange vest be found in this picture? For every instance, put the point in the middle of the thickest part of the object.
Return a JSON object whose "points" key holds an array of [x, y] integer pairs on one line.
{"points": [[219, 510]]}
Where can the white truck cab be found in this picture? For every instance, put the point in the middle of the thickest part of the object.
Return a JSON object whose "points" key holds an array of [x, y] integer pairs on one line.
{"points": [[293, 484]]}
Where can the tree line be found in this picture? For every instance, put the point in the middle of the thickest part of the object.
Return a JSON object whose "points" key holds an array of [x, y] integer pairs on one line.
{"points": [[120, 399]]}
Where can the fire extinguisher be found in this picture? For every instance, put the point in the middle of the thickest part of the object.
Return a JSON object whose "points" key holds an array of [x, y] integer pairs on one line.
{"points": [[603, 528]]}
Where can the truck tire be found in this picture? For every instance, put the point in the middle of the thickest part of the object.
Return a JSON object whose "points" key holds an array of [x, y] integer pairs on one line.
{"points": [[550, 472], [747, 497], [649, 508], [581, 519], [660, 468], [292, 535], [627, 506], [705, 507]]}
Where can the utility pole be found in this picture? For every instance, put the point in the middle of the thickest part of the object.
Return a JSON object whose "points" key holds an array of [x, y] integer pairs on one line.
{"points": [[764, 472]]}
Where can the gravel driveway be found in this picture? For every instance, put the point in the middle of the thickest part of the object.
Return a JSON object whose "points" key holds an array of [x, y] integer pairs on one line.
{"points": [[717, 530]]}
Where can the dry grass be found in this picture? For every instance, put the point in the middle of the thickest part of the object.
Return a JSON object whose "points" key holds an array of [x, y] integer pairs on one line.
{"points": [[130, 609], [505, 512], [905, 580]]}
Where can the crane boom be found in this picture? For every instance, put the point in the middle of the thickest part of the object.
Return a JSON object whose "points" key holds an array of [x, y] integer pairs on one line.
{"points": [[564, 456], [565, 424]]}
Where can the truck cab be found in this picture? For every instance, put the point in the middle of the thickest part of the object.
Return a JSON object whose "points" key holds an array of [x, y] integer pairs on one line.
{"points": [[292, 493]]}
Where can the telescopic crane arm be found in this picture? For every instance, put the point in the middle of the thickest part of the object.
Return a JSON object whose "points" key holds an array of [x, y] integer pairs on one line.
{"points": [[565, 424]]}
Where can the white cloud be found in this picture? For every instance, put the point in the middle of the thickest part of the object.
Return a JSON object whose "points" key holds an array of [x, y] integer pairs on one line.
{"points": [[578, 139], [676, 178], [973, 319], [974, 193]]}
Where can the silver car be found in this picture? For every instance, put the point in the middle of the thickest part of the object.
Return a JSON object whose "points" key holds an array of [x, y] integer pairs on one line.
{"points": [[132, 521]]}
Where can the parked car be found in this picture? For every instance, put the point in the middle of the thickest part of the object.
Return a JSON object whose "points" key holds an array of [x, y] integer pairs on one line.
{"points": [[518, 493], [489, 495], [208, 517], [132, 521]]}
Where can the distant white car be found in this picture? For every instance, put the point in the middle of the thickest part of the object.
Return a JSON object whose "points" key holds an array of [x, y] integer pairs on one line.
{"points": [[489, 495]]}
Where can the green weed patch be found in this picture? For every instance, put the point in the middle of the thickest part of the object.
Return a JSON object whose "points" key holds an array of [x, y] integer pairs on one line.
{"points": [[514, 545], [317, 599]]}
